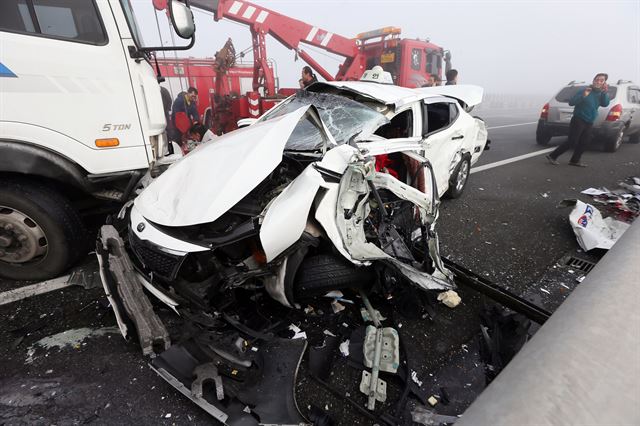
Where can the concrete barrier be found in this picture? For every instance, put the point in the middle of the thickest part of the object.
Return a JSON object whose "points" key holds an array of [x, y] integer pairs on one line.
{"points": [[583, 365]]}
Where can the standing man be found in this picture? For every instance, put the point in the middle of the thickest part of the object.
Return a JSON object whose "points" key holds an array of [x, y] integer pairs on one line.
{"points": [[308, 77], [586, 105], [452, 77], [431, 82], [184, 113]]}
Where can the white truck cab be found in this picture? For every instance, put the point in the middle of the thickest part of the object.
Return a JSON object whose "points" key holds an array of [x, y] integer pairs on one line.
{"points": [[81, 117]]}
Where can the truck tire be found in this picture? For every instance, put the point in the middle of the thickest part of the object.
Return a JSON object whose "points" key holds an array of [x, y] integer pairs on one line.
{"points": [[612, 144], [41, 234], [459, 178], [320, 274]]}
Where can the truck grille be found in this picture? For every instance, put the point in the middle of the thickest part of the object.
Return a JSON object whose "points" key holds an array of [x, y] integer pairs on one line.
{"points": [[156, 261]]}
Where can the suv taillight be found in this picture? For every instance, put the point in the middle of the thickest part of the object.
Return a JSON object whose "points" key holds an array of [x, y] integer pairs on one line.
{"points": [[615, 113], [544, 114]]}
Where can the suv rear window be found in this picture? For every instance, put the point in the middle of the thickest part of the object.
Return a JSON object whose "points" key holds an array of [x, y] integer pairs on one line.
{"points": [[567, 93]]}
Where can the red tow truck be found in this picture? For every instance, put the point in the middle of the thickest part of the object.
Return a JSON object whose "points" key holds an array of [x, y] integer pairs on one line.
{"points": [[410, 61]]}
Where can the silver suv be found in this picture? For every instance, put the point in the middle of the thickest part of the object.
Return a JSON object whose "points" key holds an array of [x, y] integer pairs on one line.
{"points": [[615, 122]]}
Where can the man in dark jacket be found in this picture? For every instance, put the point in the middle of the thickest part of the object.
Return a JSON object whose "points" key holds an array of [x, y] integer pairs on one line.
{"points": [[452, 77], [184, 113], [586, 103]]}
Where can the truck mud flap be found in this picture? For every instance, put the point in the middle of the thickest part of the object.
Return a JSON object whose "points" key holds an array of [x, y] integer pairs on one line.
{"points": [[268, 389], [125, 293]]}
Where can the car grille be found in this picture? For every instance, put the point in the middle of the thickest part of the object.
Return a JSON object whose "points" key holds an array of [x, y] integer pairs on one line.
{"points": [[156, 261]]}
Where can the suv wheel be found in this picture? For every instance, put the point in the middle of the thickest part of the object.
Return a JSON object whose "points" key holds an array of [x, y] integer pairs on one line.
{"points": [[542, 135], [41, 234], [614, 143]]}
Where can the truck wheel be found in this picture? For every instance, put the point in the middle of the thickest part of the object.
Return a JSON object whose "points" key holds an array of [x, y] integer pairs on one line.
{"points": [[612, 145], [458, 179], [320, 274], [41, 234]]}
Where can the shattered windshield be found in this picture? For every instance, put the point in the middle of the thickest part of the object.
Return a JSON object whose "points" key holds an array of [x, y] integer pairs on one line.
{"points": [[343, 117]]}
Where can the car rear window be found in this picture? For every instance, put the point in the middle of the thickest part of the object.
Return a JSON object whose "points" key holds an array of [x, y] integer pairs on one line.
{"points": [[567, 93]]}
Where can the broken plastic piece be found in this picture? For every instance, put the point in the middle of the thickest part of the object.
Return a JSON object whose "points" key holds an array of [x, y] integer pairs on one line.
{"points": [[449, 298], [298, 333], [432, 400], [367, 318], [337, 306], [344, 348], [423, 416]]}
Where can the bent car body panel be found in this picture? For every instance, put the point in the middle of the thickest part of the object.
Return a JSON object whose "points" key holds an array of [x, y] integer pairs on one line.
{"points": [[286, 217], [387, 94], [202, 186], [467, 93]]}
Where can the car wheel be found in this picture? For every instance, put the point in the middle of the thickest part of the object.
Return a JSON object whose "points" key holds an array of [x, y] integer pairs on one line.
{"points": [[459, 178], [41, 234], [320, 274], [612, 144], [542, 135]]}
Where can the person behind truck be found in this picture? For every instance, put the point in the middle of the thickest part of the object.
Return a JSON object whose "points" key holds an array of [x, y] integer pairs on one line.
{"points": [[431, 82], [586, 103], [452, 77], [308, 77], [184, 113]]}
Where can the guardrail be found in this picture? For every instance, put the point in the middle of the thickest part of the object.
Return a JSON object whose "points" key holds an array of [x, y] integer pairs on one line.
{"points": [[583, 366]]}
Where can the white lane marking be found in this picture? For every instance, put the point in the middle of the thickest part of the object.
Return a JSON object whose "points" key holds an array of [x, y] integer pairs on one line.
{"points": [[249, 12], [34, 289], [511, 125], [262, 16], [235, 7], [510, 160]]}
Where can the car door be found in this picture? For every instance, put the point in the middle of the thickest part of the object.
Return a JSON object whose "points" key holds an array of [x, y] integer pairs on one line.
{"points": [[443, 137]]}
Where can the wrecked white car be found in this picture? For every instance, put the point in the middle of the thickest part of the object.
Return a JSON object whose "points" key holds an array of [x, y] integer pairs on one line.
{"points": [[336, 189]]}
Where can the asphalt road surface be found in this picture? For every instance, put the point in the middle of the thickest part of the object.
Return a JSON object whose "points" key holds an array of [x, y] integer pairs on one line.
{"points": [[506, 227]]}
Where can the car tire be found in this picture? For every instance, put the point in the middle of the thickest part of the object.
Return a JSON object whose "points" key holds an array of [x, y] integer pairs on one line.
{"points": [[542, 135], [612, 144], [41, 234], [322, 273], [459, 178]]}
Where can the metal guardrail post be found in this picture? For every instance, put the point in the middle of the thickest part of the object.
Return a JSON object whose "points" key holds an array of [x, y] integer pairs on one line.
{"points": [[583, 366]]}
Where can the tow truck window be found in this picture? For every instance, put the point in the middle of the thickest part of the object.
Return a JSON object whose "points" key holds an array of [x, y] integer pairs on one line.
{"points": [[416, 59], [61, 19]]}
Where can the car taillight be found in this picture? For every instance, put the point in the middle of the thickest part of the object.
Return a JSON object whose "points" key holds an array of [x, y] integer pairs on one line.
{"points": [[544, 114], [614, 113]]}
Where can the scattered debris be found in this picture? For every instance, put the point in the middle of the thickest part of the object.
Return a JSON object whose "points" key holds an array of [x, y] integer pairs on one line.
{"points": [[581, 278], [337, 306], [544, 290], [566, 286], [432, 400], [367, 318], [298, 333], [344, 348], [449, 298], [592, 231], [414, 377], [623, 203], [544, 195]]}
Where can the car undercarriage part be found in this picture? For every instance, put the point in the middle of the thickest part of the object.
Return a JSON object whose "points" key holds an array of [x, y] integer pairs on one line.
{"points": [[126, 293], [499, 294]]}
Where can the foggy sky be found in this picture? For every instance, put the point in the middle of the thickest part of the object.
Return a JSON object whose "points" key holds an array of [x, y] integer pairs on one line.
{"points": [[518, 47]]}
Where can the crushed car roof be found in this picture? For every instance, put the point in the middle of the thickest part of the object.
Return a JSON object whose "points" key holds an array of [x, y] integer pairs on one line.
{"points": [[400, 96]]}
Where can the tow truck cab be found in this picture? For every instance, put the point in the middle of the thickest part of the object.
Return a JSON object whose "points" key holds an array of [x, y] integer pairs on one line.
{"points": [[81, 118]]}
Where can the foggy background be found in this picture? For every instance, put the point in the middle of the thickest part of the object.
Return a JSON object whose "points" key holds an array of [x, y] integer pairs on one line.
{"points": [[508, 47]]}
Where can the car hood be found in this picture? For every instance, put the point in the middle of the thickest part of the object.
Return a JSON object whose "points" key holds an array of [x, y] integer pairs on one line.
{"points": [[467, 93], [202, 186]]}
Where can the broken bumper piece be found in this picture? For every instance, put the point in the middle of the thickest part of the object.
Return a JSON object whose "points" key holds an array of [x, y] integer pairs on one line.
{"points": [[125, 293]]}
